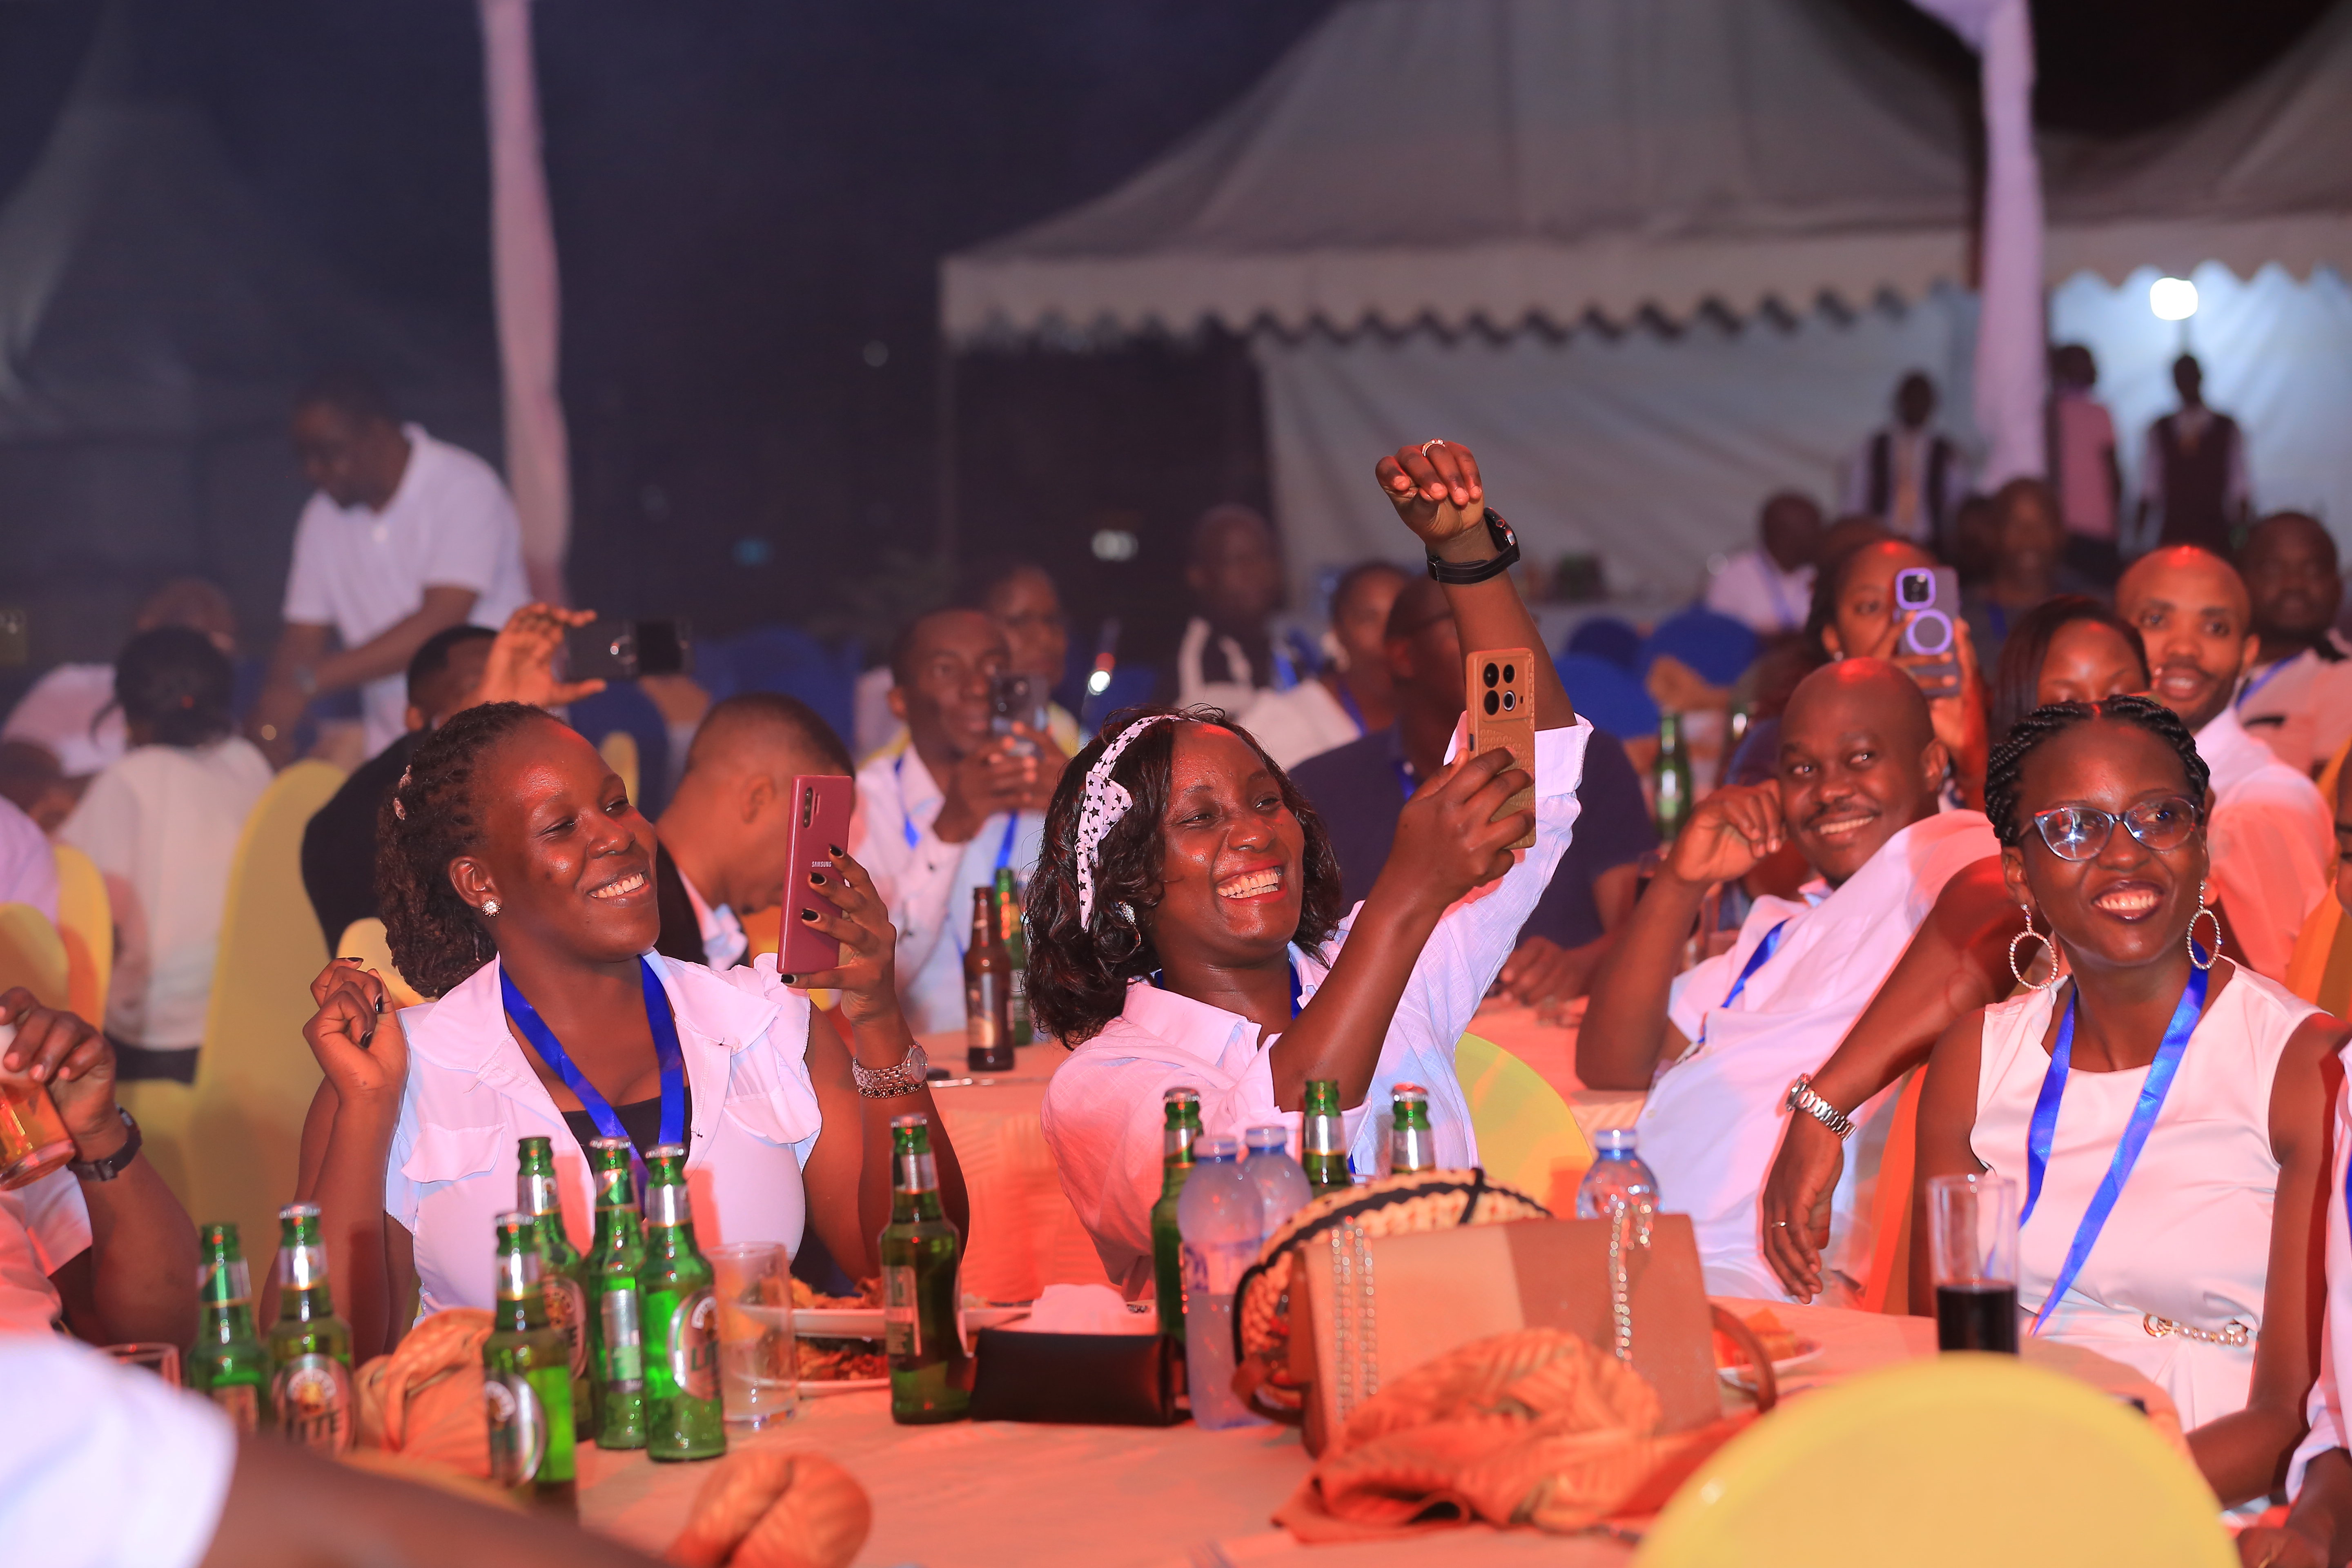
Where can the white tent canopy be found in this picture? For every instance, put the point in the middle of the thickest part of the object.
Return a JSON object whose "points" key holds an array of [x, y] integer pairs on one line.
{"points": [[1497, 162]]}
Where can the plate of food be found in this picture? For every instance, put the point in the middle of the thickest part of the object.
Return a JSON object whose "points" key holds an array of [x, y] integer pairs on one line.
{"points": [[859, 1317], [842, 1366], [1790, 1352]]}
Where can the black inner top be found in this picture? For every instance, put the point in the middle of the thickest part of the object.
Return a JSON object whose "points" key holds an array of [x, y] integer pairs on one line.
{"points": [[640, 1120]]}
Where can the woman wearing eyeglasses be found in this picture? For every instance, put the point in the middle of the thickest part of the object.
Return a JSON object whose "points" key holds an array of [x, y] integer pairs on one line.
{"points": [[2160, 1109]]}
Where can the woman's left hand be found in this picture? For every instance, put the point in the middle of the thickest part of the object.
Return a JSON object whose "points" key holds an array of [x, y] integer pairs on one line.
{"points": [[1438, 492], [61, 1050], [845, 907]]}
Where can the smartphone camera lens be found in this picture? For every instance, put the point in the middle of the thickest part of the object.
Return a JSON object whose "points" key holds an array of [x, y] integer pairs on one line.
{"points": [[1491, 674], [1510, 700], [1494, 704], [1509, 674]]}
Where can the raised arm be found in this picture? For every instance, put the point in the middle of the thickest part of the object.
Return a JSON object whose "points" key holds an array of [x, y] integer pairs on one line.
{"points": [[1954, 963], [1626, 1030], [364, 1055]]}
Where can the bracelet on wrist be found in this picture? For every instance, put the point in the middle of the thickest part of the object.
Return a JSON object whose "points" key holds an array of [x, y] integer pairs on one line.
{"points": [[903, 1077]]}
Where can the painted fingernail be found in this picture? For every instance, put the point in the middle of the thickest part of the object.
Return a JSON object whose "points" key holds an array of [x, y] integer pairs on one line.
{"points": [[788, 979], [817, 878], [836, 850], [808, 914], [346, 958]]}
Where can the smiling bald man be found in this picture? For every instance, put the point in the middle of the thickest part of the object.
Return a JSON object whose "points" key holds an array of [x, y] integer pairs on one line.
{"points": [[2271, 835], [1856, 790]]}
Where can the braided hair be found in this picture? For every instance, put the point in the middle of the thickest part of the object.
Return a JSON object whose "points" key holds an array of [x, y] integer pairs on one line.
{"points": [[2004, 773], [173, 682], [1078, 974], [429, 818]]}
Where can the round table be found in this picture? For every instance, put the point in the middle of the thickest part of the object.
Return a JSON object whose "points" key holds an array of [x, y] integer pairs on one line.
{"points": [[973, 1494]]}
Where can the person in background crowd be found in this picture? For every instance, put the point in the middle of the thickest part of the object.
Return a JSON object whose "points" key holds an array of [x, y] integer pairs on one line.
{"points": [[1228, 653], [1360, 791], [2192, 478], [2082, 468], [1186, 924], [1908, 475], [723, 845], [1020, 596], [405, 536], [70, 712], [518, 891], [162, 825], [2321, 969], [31, 780], [29, 867], [2165, 1106], [2027, 566], [937, 819], [1770, 587], [1860, 774], [1855, 616], [2297, 699], [2072, 648], [122, 1469], [100, 1247], [2269, 828], [339, 844], [1351, 697]]}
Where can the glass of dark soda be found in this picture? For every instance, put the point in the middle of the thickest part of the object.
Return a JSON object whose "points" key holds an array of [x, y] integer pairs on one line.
{"points": [[1972, 1252]]}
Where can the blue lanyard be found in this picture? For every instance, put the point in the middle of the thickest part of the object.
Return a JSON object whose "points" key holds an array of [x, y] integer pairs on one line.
{"points": [[1286, 672], [2044, 1129], [914, 837], [599, 1110], [1160, 983], [1756, 961], [2257, 682]]}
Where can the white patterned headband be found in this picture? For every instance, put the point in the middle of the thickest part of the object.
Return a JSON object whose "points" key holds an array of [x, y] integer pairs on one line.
{"points": [[1105, 804]]}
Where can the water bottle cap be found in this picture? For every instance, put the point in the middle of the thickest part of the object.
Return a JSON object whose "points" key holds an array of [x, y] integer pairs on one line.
{"points": [[1209, 1151], [1614, 1141], [1267, 1137]]}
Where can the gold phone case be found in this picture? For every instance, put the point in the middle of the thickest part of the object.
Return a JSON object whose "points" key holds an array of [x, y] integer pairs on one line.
{"points": [[1500, 694]]}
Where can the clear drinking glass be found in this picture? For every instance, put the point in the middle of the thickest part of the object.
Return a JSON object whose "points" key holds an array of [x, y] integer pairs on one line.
{"points": [[162, 1360], [758, 1361], [1972, 1254]]}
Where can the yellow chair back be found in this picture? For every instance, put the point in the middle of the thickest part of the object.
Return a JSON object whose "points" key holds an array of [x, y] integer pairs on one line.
{"points": [[364, 939], [1948, 1463], [256, 1077], [1528, 1138], [86, 924], [619, 750], [32, 956], [764, 930]]}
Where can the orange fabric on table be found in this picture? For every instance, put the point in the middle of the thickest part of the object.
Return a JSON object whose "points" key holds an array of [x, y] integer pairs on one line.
{"points": [[425, 1399]]}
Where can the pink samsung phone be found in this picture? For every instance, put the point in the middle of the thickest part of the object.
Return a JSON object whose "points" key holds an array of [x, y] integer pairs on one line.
{"points": [[821, 804]]}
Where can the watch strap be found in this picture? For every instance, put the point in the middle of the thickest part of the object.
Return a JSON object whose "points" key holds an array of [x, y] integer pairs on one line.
{"points": [[1803, 1098], [1464, 574], [114, 1164], [903, 1077]]}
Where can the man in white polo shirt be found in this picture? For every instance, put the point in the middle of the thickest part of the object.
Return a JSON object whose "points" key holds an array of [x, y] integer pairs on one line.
{"points": [[405, 536]]}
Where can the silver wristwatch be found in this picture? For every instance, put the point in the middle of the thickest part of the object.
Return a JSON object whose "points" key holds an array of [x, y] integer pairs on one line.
{"points": [[903, 1078], [1803, 1098]]}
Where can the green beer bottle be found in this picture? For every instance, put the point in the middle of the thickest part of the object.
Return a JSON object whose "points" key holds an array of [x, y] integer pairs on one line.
{"points": [[562, 1273], [681, 1322], [1323, 1139], [309, 1348], [930, 1376], [1670, 778], [527, 1376], [1182, 1107], [228, 1365], [1020, 1029], [615, 1315], [1411, 1147]]}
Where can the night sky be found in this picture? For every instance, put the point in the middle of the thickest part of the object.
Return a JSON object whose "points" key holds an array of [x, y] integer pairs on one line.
{"points": [[751, 200]]}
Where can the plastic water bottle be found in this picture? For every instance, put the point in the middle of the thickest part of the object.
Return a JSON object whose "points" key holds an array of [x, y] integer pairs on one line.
{"points": [[1222, 1218], [1281, 1180], [1617, 1172]]}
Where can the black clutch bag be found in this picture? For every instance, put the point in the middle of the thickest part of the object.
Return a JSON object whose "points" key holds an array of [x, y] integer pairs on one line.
{"points": [[1084, 1380]]}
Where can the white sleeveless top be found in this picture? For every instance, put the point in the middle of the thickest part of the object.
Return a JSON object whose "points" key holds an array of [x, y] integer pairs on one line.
{"points": [[2190, 1236]]}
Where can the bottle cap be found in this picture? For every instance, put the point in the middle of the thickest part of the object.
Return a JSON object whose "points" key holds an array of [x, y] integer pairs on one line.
{"points": [[299, 1211], [1614, 1140], [1212, 1149], [1408, 1091], [1259, 1138], [1181, 1094]]}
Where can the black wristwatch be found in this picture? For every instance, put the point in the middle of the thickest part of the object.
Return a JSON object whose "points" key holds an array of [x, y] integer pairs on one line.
{"points": [[1462, 573], [114, 1164]]}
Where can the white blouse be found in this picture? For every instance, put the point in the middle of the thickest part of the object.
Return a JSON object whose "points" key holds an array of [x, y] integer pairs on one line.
{"points": [[2190, 1236], [1103, 1110], [471, 1094]]}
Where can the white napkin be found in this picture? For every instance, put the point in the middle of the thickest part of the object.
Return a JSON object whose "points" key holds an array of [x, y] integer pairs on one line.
{"points": [[1085, 1310]]}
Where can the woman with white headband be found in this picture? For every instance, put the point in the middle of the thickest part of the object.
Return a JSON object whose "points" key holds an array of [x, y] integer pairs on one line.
{"points": [[1185, 923]]}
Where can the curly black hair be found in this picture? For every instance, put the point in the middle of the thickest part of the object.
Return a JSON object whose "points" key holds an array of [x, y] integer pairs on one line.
{"points": [[2004, 773], [2017, 676], [429, 819], [1078, 974]]}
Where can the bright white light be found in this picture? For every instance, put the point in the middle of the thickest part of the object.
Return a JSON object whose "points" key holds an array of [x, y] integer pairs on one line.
{"points": [[1098, 682], [1116, 544], [2172, 299]]}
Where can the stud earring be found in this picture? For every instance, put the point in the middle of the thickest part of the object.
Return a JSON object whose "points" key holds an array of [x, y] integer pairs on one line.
{"points": [[2019, 970], [490, 907]]}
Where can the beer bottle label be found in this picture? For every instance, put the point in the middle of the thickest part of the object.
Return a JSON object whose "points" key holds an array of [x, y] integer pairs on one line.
{"points": [[517, 1428], [694, 1345], [980, 1013], [624, 1345], [240, 1402], [567, 1310], [902, 1325], [313, 1395]]}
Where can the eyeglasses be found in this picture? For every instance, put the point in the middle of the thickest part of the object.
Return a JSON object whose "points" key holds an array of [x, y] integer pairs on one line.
{"points": [[2080, 832]]}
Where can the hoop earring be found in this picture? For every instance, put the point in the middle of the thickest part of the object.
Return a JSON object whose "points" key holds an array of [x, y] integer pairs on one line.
{"points": [[2019, 970], [2214, 952]]}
